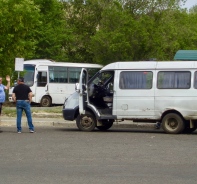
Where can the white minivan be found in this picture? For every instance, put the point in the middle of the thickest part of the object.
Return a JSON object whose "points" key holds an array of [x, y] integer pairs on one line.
{"points": [[141, 91]]}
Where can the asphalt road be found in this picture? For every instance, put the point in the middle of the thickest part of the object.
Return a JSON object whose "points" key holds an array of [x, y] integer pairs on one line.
{"points": [[57, 155]]}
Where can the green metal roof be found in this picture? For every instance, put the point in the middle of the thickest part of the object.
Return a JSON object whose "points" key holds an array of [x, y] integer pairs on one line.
{"points": [[186, 55]]}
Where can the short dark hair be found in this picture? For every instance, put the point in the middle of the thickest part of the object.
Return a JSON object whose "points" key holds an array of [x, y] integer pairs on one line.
{"points": [[21, 79]]}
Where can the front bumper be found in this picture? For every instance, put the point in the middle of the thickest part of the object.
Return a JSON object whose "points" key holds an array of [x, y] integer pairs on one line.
{"points": [[70, 114]]}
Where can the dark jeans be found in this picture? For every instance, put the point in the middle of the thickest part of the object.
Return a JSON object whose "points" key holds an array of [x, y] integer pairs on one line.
{"points": [[1, 104], [20, 106]]}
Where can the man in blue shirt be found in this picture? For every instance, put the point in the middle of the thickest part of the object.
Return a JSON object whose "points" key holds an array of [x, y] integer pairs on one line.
{"points": [[2, 91]]}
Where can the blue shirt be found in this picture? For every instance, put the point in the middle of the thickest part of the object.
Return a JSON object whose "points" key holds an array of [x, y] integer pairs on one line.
{"points": [[2, 93]]}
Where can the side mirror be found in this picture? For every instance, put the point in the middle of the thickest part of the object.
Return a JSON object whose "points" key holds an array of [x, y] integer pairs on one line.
{"points": [[77, 87]]}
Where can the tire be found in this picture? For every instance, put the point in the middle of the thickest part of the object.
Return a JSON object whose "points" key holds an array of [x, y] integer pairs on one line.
{"points": [[187, 129], [106, 125], [86, 122], [173, 123], [45, 101]]}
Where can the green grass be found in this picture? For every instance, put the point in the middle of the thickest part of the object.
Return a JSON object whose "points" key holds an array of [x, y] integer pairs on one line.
{"points": [[11, 110]]}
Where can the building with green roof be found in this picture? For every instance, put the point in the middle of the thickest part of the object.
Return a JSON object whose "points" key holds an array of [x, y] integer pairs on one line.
{"points": [[186, 55]]}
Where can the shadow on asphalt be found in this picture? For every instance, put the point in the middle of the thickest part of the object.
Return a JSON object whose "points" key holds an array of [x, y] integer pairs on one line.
{"points": [[109, 131], [96, 131], [120, 130]]}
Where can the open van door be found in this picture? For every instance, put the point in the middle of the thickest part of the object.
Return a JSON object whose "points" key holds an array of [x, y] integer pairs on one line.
{"points": [[83, 90]]}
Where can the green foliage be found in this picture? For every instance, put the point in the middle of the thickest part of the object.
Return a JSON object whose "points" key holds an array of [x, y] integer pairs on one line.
{"points": [[83, 19], [112, 41], [141, 30], [94, 31], [9, 109], [18, 20], [52, 33], [193, 9]]}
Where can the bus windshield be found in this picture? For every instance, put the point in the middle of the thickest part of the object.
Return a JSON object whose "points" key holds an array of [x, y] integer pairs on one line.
{"points": [[29, 71]]}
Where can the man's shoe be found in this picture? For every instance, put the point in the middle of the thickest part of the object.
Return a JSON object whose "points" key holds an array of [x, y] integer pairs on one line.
{"points": [[31, 131], [19, 132]]}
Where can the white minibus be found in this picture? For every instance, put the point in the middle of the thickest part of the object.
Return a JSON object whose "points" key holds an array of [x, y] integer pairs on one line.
{"points": [[51, 82], [162, 92]]}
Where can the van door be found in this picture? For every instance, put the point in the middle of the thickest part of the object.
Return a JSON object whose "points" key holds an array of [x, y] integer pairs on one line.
{"points": [[134, 94], [41, 88], [83, 92]]}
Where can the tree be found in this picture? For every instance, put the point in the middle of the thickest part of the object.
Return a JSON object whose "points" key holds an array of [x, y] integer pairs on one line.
{"points": [[82, 19], [140, 30], [113, 39], [193, 9], [52, 33], [18, 20]]}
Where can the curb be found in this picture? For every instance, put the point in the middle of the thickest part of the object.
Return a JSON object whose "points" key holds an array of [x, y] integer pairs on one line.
{"points": [[59, 121]]}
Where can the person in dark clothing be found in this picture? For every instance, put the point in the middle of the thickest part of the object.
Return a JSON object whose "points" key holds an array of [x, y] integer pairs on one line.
{"points": [[22, 95]]}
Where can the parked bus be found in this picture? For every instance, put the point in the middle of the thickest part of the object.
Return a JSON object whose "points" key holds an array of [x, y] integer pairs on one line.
{"points": [[51, 82], [156, 92]]}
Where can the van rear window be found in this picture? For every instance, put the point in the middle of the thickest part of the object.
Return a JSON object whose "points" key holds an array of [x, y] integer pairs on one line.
{"points": [[174, 80], [195, 80]]}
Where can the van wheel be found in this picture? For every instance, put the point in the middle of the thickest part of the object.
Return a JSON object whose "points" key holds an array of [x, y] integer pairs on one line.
{"points": [[106, 125], [173, 123], [86, 122], [45, 101]]}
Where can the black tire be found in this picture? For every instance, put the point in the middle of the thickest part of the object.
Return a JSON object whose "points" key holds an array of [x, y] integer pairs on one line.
{"points": [[106, 125], [45, 101], [173, 123], [187, 129], [86, 122]]}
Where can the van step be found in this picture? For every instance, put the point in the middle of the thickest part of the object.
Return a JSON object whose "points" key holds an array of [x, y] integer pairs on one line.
{"points": [[105, 111], [107, 116]]}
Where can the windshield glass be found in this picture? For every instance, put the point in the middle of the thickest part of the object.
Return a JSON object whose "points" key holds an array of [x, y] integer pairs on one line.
{"points": [[103, 78], [92, 72], [29, 71]]}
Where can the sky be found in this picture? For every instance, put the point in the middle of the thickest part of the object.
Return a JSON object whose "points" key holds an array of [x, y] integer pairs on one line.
{"points": [[190, 3]]}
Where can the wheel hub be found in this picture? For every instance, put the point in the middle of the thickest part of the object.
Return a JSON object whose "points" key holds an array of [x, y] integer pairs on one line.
{"points": [[172, 123], [86, 121]]}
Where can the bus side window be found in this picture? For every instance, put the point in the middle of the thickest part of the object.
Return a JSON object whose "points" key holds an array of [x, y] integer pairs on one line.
{"points": [[42, 79], [51, 76], [74, 74]]}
